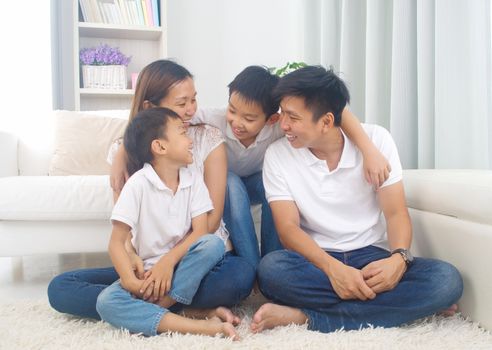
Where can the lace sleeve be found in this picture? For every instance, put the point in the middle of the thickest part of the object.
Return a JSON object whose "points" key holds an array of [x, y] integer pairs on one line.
{"points": [[213, 138], [205, 139], [115, 146]]}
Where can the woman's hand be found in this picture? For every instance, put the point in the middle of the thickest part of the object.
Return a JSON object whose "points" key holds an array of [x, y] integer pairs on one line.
{"points": [[136, 261]]}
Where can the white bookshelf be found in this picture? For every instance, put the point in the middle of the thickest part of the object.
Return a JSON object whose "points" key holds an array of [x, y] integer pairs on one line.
{"points": [[145, 44]]}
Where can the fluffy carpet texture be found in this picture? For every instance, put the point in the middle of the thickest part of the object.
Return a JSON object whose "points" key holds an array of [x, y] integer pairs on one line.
{"points": [[34, 325]]}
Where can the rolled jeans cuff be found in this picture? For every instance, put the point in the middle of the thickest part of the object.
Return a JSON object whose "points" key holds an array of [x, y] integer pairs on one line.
{"points": [[157, 319], [180, 299]]}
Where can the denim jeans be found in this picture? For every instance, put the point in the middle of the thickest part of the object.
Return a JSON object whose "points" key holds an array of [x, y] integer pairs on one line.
{"points": [[75, 292], [119, 308], [241, 193], [427, 286]]}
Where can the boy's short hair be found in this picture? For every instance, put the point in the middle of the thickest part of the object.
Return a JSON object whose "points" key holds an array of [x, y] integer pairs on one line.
{"points": [[255, 84], [323, 91], [147, 126]]}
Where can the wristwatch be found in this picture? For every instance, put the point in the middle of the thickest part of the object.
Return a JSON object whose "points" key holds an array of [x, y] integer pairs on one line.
{"points": [[406, 255]]}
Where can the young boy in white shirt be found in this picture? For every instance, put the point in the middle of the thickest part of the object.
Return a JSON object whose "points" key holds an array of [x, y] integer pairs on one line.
{"points": [[249, 125], [163, 206]]}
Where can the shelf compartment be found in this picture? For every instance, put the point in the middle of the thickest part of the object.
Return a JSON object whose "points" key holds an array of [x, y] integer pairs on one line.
{"points": [[102, 30], [106, 92]]}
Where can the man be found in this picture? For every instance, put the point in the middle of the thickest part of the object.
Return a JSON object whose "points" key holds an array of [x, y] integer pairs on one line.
{"points": [[345, 266]]}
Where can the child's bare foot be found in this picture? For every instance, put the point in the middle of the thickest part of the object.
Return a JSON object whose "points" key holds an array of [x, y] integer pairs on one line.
{"points": [[216, 326], [272, 315], [221, 312], [450, 311], [225, 315]]}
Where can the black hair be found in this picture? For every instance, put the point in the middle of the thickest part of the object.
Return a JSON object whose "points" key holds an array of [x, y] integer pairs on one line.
{"points": [[155, 81], [323, 91], [145, 127], [255, 84]]}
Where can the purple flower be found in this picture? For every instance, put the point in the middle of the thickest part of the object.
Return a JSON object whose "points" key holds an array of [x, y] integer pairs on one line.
{"points": [[103, 55]]}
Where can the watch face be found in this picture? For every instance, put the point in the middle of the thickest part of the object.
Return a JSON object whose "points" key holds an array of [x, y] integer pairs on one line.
{"points": [[409, 256], [405, 253]]}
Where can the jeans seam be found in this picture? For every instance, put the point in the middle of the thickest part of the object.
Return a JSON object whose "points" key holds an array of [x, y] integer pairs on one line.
{"points": [[179, 298], [157, 319]]}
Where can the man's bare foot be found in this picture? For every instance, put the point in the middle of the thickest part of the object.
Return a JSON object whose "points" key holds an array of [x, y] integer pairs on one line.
{"points": [[272, 315], [450, 311], [216, 326], [221, 312]]}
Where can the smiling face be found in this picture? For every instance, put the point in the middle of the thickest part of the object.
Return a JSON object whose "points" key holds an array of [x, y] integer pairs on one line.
{"points": [[182, 100], [245, 118], [296, 120], [177, 144]]}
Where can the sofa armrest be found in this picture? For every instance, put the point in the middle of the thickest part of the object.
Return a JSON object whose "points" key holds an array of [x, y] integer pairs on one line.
{"points": [[8, 155]]}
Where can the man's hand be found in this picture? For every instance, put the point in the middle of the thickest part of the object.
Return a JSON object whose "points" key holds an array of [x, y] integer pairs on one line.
{"points": [[383, 275], [349, 283], [160, 277]]}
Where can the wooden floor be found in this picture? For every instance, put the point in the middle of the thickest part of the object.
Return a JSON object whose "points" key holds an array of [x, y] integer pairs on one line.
{"points": [[28, 277]]}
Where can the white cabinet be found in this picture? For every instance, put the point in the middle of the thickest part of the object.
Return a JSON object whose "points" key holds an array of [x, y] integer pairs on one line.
{"points": [[144, 44]]}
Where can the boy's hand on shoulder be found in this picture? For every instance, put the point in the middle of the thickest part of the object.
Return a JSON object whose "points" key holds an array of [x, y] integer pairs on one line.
{"points": [[376, 168], [385, 274]]}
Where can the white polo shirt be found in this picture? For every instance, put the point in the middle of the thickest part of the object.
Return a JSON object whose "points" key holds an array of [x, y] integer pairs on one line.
{"points": [[241, 160], [338, 208], [158, 218]]}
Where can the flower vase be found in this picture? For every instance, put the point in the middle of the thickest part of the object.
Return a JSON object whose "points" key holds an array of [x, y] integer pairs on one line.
{"points": [[104, 77]]}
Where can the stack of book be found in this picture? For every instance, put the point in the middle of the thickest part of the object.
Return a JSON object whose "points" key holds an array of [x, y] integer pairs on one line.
{"points": [[126, 12]]}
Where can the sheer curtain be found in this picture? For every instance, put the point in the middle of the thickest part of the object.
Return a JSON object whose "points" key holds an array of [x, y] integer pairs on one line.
{"points": [[420, 68]]}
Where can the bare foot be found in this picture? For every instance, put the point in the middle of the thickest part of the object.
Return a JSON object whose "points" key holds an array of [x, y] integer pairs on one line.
{"points": [[272, 315], [221, 312], [450, 311], [225, 315], [216, 326]]}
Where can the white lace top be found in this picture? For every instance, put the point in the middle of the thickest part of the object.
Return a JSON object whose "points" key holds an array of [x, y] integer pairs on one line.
{"points": [[205, 139]]}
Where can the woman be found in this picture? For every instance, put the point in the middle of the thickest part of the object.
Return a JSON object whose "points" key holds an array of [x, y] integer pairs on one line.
{"points": [[166, 84]]}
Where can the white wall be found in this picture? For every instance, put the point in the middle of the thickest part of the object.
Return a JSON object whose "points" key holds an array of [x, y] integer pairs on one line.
{"points": [[216, 39], [25, 86]]}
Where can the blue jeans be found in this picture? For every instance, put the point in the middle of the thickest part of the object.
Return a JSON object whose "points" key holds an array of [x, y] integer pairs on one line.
{"points": [[241, 193], [75, 292], [427, 286], [119, 308]]}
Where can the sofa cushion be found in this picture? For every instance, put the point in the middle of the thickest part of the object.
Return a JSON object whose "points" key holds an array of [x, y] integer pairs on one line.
{"points": [[464, 194], [82, 142], [55, 198]]}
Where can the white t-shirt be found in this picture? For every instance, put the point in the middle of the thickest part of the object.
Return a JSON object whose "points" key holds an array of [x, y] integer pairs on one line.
{"points": [[338, 208], [205, 140], [158, 218], [241, 160]]}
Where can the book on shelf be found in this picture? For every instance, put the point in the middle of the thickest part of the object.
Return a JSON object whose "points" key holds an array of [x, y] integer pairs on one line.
{"points": [[126, 12], [155, 11]]}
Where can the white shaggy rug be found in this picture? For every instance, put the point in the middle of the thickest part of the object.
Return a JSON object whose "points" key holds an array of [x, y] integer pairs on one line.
{"points": [[34, 325]]}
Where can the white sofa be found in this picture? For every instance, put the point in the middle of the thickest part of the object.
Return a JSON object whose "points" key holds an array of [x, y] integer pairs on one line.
{"points": [[451, 213]]}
